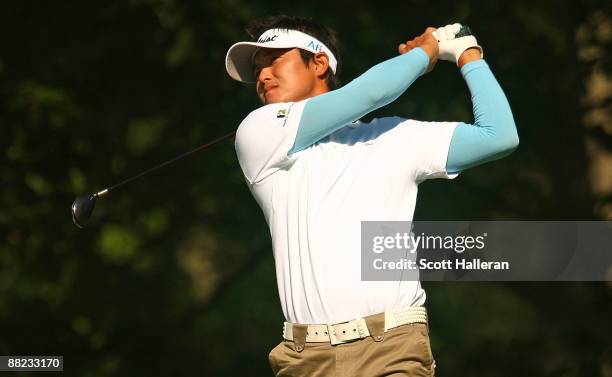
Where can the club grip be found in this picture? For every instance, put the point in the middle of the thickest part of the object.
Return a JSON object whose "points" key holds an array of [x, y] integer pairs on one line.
{"points": [[464, 31]]}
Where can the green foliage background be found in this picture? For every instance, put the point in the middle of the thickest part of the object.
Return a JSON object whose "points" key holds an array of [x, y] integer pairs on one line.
{"points": [[174, 275]]}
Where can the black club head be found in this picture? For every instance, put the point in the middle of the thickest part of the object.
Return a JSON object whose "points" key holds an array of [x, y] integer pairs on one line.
{"points": [[82, 207]]}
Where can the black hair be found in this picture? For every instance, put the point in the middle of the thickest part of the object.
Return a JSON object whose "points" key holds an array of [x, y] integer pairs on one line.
{"points": [[306, 25]]}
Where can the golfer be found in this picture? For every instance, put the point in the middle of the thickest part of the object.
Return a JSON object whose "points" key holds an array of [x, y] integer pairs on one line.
{"points": [[317, 172]]}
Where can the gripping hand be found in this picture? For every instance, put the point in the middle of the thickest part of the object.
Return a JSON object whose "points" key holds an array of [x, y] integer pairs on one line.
{"points": [[454, 40]]}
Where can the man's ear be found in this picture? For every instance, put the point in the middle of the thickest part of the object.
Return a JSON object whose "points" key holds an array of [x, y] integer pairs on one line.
{"points": [[321, 63]]}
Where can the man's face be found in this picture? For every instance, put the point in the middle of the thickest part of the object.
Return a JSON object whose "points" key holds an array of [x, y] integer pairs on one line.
{"points": [[282, 75]]}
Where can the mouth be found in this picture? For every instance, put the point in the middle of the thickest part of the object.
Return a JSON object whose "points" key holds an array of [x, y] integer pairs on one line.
{"points": [[268, 89]]}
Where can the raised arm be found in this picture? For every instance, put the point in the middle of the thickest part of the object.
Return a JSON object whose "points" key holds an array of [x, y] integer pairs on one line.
{"points": [[377, 87], [493, 134]]}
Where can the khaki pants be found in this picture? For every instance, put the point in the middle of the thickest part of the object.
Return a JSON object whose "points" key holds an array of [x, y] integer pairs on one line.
{"points": [[402, 351]]}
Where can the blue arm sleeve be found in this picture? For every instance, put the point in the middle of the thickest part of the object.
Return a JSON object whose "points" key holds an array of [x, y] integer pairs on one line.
{"points": [[493, 134], [377, 87]]}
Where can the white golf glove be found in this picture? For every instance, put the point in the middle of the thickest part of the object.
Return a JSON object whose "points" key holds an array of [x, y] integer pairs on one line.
{"points": [[454, 40]]}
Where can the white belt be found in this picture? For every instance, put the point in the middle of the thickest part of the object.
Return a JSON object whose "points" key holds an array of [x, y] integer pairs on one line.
{"points": [[356, 329]]}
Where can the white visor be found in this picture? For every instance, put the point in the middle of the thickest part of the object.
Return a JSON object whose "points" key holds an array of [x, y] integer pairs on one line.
{"points": [[239, 58]]}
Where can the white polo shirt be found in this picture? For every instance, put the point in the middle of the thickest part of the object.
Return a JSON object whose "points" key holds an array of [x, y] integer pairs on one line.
{"points": [[314, 201]]}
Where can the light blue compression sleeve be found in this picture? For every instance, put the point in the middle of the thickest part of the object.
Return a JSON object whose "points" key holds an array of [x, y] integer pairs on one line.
{"points": [[493, 134], [377, 87]]}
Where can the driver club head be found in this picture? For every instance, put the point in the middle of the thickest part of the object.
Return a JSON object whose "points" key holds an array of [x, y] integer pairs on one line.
{"points": [[82, 207]]}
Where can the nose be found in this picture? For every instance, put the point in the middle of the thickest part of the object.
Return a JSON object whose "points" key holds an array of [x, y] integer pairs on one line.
{"points": [[264, 75]]}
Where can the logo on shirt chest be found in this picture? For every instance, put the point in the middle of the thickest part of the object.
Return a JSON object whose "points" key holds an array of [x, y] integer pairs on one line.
{"points": [[281, 113]]}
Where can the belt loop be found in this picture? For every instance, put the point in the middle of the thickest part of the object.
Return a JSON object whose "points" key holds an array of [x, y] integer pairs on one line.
{"points": [[299, 336], [376, 326]]}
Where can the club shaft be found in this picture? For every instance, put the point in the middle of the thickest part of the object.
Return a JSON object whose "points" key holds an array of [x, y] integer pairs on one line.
{"points": [[203, 146]]}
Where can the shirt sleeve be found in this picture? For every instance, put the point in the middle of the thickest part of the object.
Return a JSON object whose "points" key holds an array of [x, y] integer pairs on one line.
{"points": [[426, 149], [265, 137]]}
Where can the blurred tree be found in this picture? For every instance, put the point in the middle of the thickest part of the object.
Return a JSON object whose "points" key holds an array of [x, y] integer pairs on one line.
{"points": [[175, 275]]}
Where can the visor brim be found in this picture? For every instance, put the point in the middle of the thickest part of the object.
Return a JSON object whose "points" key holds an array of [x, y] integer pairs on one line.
{"points": [[238, 61]]}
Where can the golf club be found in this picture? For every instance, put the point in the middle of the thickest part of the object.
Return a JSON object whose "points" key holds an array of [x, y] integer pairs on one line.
{"points": [[464, 31], [83, 205]]}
